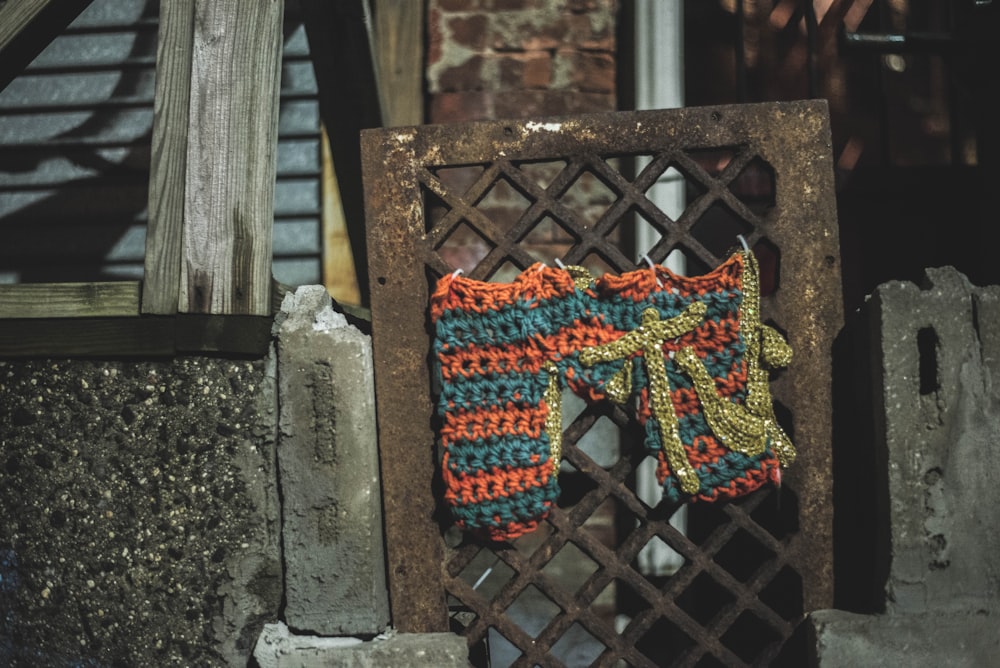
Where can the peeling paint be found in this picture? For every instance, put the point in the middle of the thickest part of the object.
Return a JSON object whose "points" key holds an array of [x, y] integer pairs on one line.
{"points": [[533, 126]]}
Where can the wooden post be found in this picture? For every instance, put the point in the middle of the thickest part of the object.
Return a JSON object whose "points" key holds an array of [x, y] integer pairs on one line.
{"points": [[211, 200], [165, 229], [399, 46], [231, 157]]}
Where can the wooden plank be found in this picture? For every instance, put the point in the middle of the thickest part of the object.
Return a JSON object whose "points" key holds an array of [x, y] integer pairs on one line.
{"points": [[27, 27], [233, 334], [145, 336], [164, 236], [399, 51], [87, 337], [339, 44], [231, 157], [69, 300]]}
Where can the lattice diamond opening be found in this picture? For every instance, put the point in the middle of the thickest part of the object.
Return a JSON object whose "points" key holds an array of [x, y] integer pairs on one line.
{"points": [[731, 580]]}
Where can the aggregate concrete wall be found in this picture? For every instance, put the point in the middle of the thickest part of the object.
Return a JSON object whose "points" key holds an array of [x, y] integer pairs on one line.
{"points": [[138, 512]]}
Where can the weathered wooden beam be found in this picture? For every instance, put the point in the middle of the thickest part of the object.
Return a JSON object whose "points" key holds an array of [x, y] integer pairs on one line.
{"points": [[167, 173], [340, 47], [70, 300], [27, 27], [87, 337], [231, 157], [399, 50], [145, 336]]}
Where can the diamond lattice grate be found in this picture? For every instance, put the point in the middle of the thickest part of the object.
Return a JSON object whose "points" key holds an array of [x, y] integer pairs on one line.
{"points": [[613, 576]]}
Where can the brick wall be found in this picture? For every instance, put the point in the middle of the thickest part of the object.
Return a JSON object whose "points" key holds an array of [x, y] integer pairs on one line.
{"points": [[520, 58]]}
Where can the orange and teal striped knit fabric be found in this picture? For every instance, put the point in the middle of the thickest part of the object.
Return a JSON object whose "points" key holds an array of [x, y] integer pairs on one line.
{"points": [[497, 345]]}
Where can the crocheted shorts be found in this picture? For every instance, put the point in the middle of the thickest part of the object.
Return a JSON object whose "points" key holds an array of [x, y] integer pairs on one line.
{"points": [[690, 353]]}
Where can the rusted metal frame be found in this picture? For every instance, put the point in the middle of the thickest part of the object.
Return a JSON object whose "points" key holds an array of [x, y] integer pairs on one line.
{"points": [[543, 202], [461, 556], [488, 616], [812, 317], [634, 193], [612, 484], [551, 204], [573, 611], [529, 569], [589, 237], [746, 599], [494, 259], [775, 237], [661, 603], [399, 296], [493, 613], [728, 175], [716, 189], [606, 223], [742, 519], [459, 207]]}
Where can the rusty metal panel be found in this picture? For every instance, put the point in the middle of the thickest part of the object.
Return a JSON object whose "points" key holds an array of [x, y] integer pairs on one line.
{"points": [[748, 569]]}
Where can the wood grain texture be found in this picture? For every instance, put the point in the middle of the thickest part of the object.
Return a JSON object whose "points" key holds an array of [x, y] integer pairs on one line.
{"points": [[231, 157], [399, 40], [70, 300], [165, 232]]}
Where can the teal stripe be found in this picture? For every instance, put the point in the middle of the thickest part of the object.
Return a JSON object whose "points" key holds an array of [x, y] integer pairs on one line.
{"points": [[518, 322], [494, 390], [506, 451], [519, 507]]}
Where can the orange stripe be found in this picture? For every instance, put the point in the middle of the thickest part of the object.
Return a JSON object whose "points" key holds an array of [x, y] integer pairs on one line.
{"points": [[469, 488], [480, 296], [474, 360], [509, 420]]}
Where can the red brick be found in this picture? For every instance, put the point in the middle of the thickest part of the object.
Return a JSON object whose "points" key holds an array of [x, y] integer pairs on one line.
{"points": [[533, 37], [585, 33], [580, 6], [464, 77], [592, 72], [537, 70], [536, 103], [459, 107], [510, 5], [525, 70], [469, 31]]}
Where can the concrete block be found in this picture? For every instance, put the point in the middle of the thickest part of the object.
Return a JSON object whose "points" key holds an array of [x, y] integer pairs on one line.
{"points": [[328, 464], [939, 351], [926, 640], [278, 648]]}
